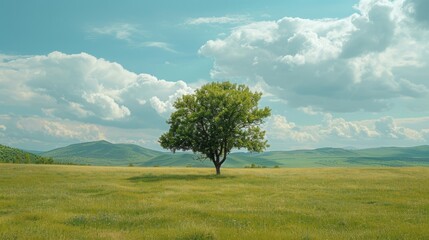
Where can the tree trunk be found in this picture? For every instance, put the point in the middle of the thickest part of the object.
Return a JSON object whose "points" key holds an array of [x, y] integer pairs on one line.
{"points": [[217, 169]]}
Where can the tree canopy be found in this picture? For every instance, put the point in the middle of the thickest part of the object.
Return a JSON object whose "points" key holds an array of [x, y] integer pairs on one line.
{"points": [[215, 119]]}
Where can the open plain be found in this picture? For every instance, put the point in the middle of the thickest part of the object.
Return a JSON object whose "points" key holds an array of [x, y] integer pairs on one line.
{"points": [[85, 202]]}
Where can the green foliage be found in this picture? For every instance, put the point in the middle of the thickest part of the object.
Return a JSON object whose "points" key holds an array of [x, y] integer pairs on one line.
{"points": [[81, 202], [14, 155], [254, 166], [215, 119]]}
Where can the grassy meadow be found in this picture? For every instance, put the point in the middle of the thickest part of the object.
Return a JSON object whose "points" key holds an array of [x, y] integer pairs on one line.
{"points": [[82, 202]]}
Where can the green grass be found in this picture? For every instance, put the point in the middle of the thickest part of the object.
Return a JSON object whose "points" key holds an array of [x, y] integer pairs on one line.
{"points": [[81, 202]]}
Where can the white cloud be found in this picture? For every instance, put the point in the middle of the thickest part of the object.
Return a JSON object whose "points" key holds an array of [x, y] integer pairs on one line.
{"points": [[82, 87], [367, 59], [217, 20], [339, 132], [2, 127], [76, 108], [161, 45], [387, 127], [309, 110], [106, 103], [159, 105], [132, 34], [167, 105], [279, 128], [141, 102], [339, 127], [60, 129], [121, 31]]}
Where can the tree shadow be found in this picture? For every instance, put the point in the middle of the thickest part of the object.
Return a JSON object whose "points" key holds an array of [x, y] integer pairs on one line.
{"points": [[180, 177]]}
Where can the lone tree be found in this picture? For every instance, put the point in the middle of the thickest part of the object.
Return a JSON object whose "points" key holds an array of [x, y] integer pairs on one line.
{"points": [[215, 119]]}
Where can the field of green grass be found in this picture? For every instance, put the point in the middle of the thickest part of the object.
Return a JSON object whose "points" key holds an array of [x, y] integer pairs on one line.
{"points": [[82, 202]]}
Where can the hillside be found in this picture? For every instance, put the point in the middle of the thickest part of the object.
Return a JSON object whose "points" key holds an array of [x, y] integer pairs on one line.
{"points": [[108, 154], [102, 153], [338, 157], [14, 155], [393, 156]]}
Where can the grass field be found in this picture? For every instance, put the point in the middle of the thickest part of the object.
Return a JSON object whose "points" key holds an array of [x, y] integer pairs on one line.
{"points": [[81, 202]]}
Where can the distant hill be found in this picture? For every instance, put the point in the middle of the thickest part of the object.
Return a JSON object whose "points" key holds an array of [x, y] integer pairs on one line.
{"points": [[393, 156], [102, 153], [14, 155], [338, 157], [108, 154]]}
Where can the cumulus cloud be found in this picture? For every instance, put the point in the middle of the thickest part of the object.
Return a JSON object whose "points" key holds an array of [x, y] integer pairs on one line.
{"points": [[387, 127], [339, 132], [106, 103], [280, 128], [330, 128], [83, 87], [42, 133], [339, 127], [367, 59], [372, 32], [159, 105], [60, 129]]}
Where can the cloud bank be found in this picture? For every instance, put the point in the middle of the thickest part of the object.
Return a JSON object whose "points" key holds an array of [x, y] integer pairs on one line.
{"points": [[81, 86], [339, 132], [359, 63], [39, 94]]}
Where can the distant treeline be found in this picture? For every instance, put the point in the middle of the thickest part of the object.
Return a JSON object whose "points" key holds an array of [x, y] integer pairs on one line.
{"points": [[13, 155]]}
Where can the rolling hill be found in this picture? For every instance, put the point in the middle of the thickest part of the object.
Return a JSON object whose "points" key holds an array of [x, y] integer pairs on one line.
{"points": [[14, 155], [393, 156], [102, 153], [109, 154], [338, 157]]}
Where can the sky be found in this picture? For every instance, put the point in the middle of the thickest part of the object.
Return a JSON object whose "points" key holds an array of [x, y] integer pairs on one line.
{"points": [[336, 73]]}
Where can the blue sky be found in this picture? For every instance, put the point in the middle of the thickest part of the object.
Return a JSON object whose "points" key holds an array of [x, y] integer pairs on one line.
{"points": [[45, 26], [337, 73]]}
